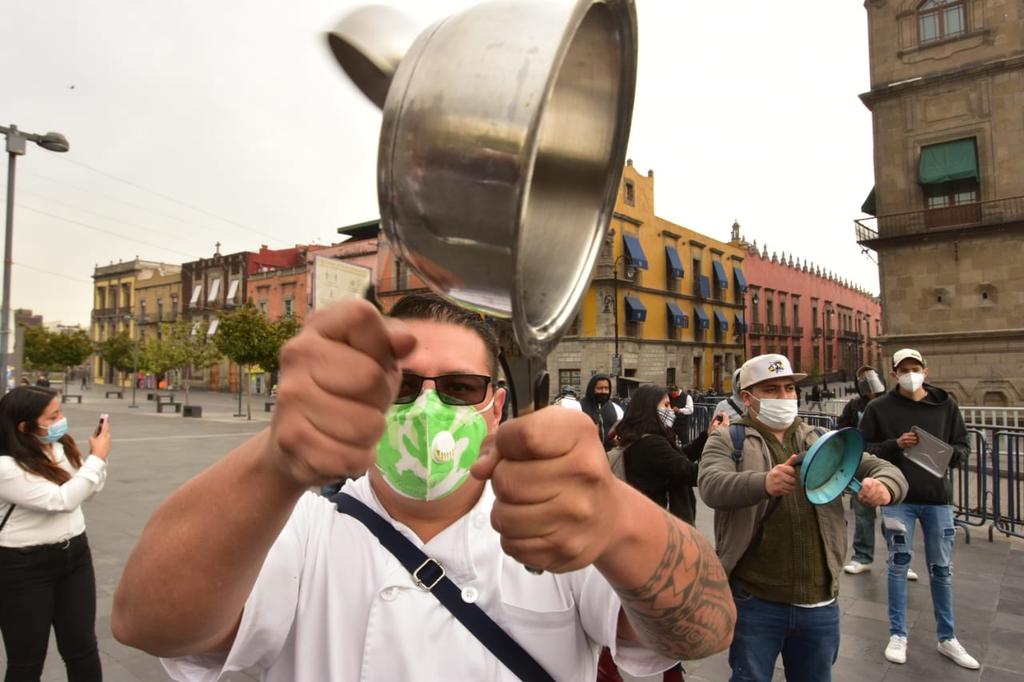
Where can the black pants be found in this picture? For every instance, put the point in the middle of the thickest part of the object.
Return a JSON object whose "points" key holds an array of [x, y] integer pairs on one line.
{"points": [[40, 587]]}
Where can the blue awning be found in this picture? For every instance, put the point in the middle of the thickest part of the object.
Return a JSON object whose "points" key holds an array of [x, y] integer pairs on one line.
{"points": [[634, 252], [741, 281], [721, 322], [740, 324], [723, 281], [675, 266], [705, 286], [676, 316], [635, 310], [702, 318]]}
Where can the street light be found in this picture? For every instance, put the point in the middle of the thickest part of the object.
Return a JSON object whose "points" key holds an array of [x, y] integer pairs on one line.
{"points": [[614, 303], [824, 345], [16, 139], [135, 357]]}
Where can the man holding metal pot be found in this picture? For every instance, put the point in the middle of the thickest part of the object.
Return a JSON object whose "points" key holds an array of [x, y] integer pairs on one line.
{"points": [[244, 567], [784, 555]]}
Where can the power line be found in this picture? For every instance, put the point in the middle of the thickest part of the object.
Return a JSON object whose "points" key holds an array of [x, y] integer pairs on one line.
{"points": [[168, 198], [100, 229], [50, 272], [51, 200], [121, 201]]}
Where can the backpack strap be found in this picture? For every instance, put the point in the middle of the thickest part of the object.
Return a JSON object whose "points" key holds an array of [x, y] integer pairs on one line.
{"points": [[738, 434], [10, 510]]}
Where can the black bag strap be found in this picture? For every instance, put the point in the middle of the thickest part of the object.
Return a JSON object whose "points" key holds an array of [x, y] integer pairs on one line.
{"points": [[429, 575], [7, 516]]}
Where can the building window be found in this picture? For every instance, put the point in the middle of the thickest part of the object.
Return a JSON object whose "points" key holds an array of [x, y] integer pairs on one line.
{"points": [[214, 290], [401, 275], [670, 376], [949, 194], [174, 307], [263, 307], [126, 296], [569, 377], [941, 19], [159, 310], [630, 193], [289, 307], [197, 291], [142, 311], [101, 298]]}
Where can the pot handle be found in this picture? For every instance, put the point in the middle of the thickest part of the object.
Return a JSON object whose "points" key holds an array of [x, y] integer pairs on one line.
{"points": [[368, 43]]}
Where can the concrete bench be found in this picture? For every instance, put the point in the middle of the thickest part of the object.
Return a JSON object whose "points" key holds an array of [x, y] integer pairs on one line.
{"points": [[160, 406], [118, 394], [67, 396], [192, 411], [269, 405], [169, 398]]}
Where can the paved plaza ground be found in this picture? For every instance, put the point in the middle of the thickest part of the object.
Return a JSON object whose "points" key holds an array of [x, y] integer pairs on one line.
{"points": [[153, 453]]}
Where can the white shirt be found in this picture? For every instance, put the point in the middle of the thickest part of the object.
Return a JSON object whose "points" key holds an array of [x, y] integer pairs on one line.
{"points": [[569, 403], [44, 512], [330, 603]]}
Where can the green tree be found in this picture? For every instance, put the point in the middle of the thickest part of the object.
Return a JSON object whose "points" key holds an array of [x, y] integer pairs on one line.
{"points": [[190, 344], [118, 351], [70, 349], [160, 355], [247, 338], [38, 353], [280, 331]]}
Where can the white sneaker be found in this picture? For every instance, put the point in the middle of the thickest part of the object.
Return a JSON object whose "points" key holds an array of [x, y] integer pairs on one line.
{"points": [[896, 652], [911, 575], [855, 567], [952, 648]]}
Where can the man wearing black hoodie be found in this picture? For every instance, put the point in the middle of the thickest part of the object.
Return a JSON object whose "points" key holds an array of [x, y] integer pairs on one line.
{"points": [[598, 406], [886, 426]]}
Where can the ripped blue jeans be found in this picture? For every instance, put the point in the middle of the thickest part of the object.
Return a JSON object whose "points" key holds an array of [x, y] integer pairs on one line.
{"points": [[898, 523]]}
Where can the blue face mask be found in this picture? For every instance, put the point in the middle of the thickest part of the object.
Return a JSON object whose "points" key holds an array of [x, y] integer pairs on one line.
{"points": [[55, 431]]}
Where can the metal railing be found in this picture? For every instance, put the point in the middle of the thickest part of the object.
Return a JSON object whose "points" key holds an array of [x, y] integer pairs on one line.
{"points": [[1008, 502], [972, 497], [913, 223]]}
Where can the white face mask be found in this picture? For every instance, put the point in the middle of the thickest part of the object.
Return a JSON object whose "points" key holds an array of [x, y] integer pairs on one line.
{"points": [[776, 413], [911, 381]]}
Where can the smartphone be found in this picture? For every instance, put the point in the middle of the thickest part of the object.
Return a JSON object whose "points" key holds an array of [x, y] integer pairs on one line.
{"points": [[718, 419], [99, 427]]}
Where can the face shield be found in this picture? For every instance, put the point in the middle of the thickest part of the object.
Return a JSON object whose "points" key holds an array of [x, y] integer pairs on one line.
{"points": [[869, 383]]}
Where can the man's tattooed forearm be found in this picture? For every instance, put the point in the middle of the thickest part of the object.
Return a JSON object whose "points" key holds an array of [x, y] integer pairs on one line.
{"points": [[685, 609]]}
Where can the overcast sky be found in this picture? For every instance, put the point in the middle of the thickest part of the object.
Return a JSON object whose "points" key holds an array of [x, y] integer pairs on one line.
{"points": [[199, 121]]}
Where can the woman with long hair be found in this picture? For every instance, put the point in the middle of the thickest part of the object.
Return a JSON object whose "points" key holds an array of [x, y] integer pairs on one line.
{"points": [[655, 464], [46, 572]]}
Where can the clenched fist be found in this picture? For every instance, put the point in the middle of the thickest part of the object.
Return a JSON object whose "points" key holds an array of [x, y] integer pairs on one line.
{"points": [[873, 493], [338, 378], [556, 496]]}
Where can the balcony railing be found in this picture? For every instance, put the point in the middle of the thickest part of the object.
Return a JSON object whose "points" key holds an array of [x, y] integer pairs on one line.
{"points": [[798, 332], [817, 332], [784, 330], [912, 223], [757, 329], [848, 335], [773, 329]]}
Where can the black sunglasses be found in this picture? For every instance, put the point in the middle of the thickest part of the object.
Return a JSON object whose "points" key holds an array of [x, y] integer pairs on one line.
{"points": [[452, 389]]}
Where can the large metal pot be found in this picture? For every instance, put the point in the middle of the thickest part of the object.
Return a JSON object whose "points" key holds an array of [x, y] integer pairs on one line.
{"points": [[501, 150]]}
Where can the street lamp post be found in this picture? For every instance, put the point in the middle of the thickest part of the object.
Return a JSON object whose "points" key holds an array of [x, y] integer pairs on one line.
{"points": [[135, 356], [614, 302], [16, 140], [824, 346]]}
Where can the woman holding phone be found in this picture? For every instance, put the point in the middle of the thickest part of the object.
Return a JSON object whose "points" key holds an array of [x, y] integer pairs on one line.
{"points": [[46, 572]]}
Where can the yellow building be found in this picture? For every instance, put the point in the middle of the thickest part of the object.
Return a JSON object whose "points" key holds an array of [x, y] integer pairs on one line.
{"points": [[665, 299], [115, 308]]}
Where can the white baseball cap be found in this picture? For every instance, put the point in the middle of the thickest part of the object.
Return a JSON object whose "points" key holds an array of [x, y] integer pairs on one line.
{"points": [[764, 367], [905, 354]]}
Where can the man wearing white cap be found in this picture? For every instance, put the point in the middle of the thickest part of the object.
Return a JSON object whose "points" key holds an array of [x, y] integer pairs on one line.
{"points": [[784, 555], [887, 426]]}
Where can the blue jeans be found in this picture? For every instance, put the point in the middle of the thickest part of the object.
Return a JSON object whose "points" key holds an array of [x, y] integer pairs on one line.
{"points": [[863, 532], [808, 640], [898, 523]]}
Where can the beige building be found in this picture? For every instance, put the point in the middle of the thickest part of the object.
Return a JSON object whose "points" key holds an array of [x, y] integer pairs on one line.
{"points": [[158, 299], [116, 303], [947, 96]]}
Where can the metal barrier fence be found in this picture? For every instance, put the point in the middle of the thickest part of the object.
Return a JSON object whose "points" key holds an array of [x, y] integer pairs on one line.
{"points": [[1008, 503]]}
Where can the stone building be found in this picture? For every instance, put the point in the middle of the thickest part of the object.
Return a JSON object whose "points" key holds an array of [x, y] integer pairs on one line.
{"points": [[947, 92], [668, 301], [114, 308], [158, 299]]}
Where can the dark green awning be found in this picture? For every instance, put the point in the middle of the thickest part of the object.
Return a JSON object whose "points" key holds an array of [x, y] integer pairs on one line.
{"points": [[947, 162], [869, 204]]}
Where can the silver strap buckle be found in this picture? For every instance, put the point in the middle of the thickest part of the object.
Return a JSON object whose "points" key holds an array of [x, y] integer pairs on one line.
{"points": [[419, 581]]}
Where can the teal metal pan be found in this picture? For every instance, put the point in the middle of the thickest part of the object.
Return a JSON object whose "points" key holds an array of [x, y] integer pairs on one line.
{"points": [[829, 467]]}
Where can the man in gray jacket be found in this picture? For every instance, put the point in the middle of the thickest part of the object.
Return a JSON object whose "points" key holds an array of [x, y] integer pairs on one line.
{"points": [[784, 555]]}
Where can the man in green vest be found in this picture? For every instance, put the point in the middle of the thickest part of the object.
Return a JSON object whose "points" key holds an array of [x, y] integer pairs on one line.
{"points": [[784, 555]]}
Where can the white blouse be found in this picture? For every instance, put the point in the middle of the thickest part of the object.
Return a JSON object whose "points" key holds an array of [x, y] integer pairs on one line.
{"points": [[44, 512]]}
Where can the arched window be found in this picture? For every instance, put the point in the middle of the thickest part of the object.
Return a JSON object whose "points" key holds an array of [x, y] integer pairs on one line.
{"points": [[941, 19]]}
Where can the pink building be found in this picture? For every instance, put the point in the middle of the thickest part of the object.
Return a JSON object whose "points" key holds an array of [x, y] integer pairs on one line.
{"points": [[823, 323]]}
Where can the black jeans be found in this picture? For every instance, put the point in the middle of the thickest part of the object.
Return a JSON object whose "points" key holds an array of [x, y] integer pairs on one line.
{"points": [[40, 587]]}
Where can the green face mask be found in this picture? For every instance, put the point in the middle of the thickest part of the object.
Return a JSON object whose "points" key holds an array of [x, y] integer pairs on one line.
{"points": [[428, 446]]}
